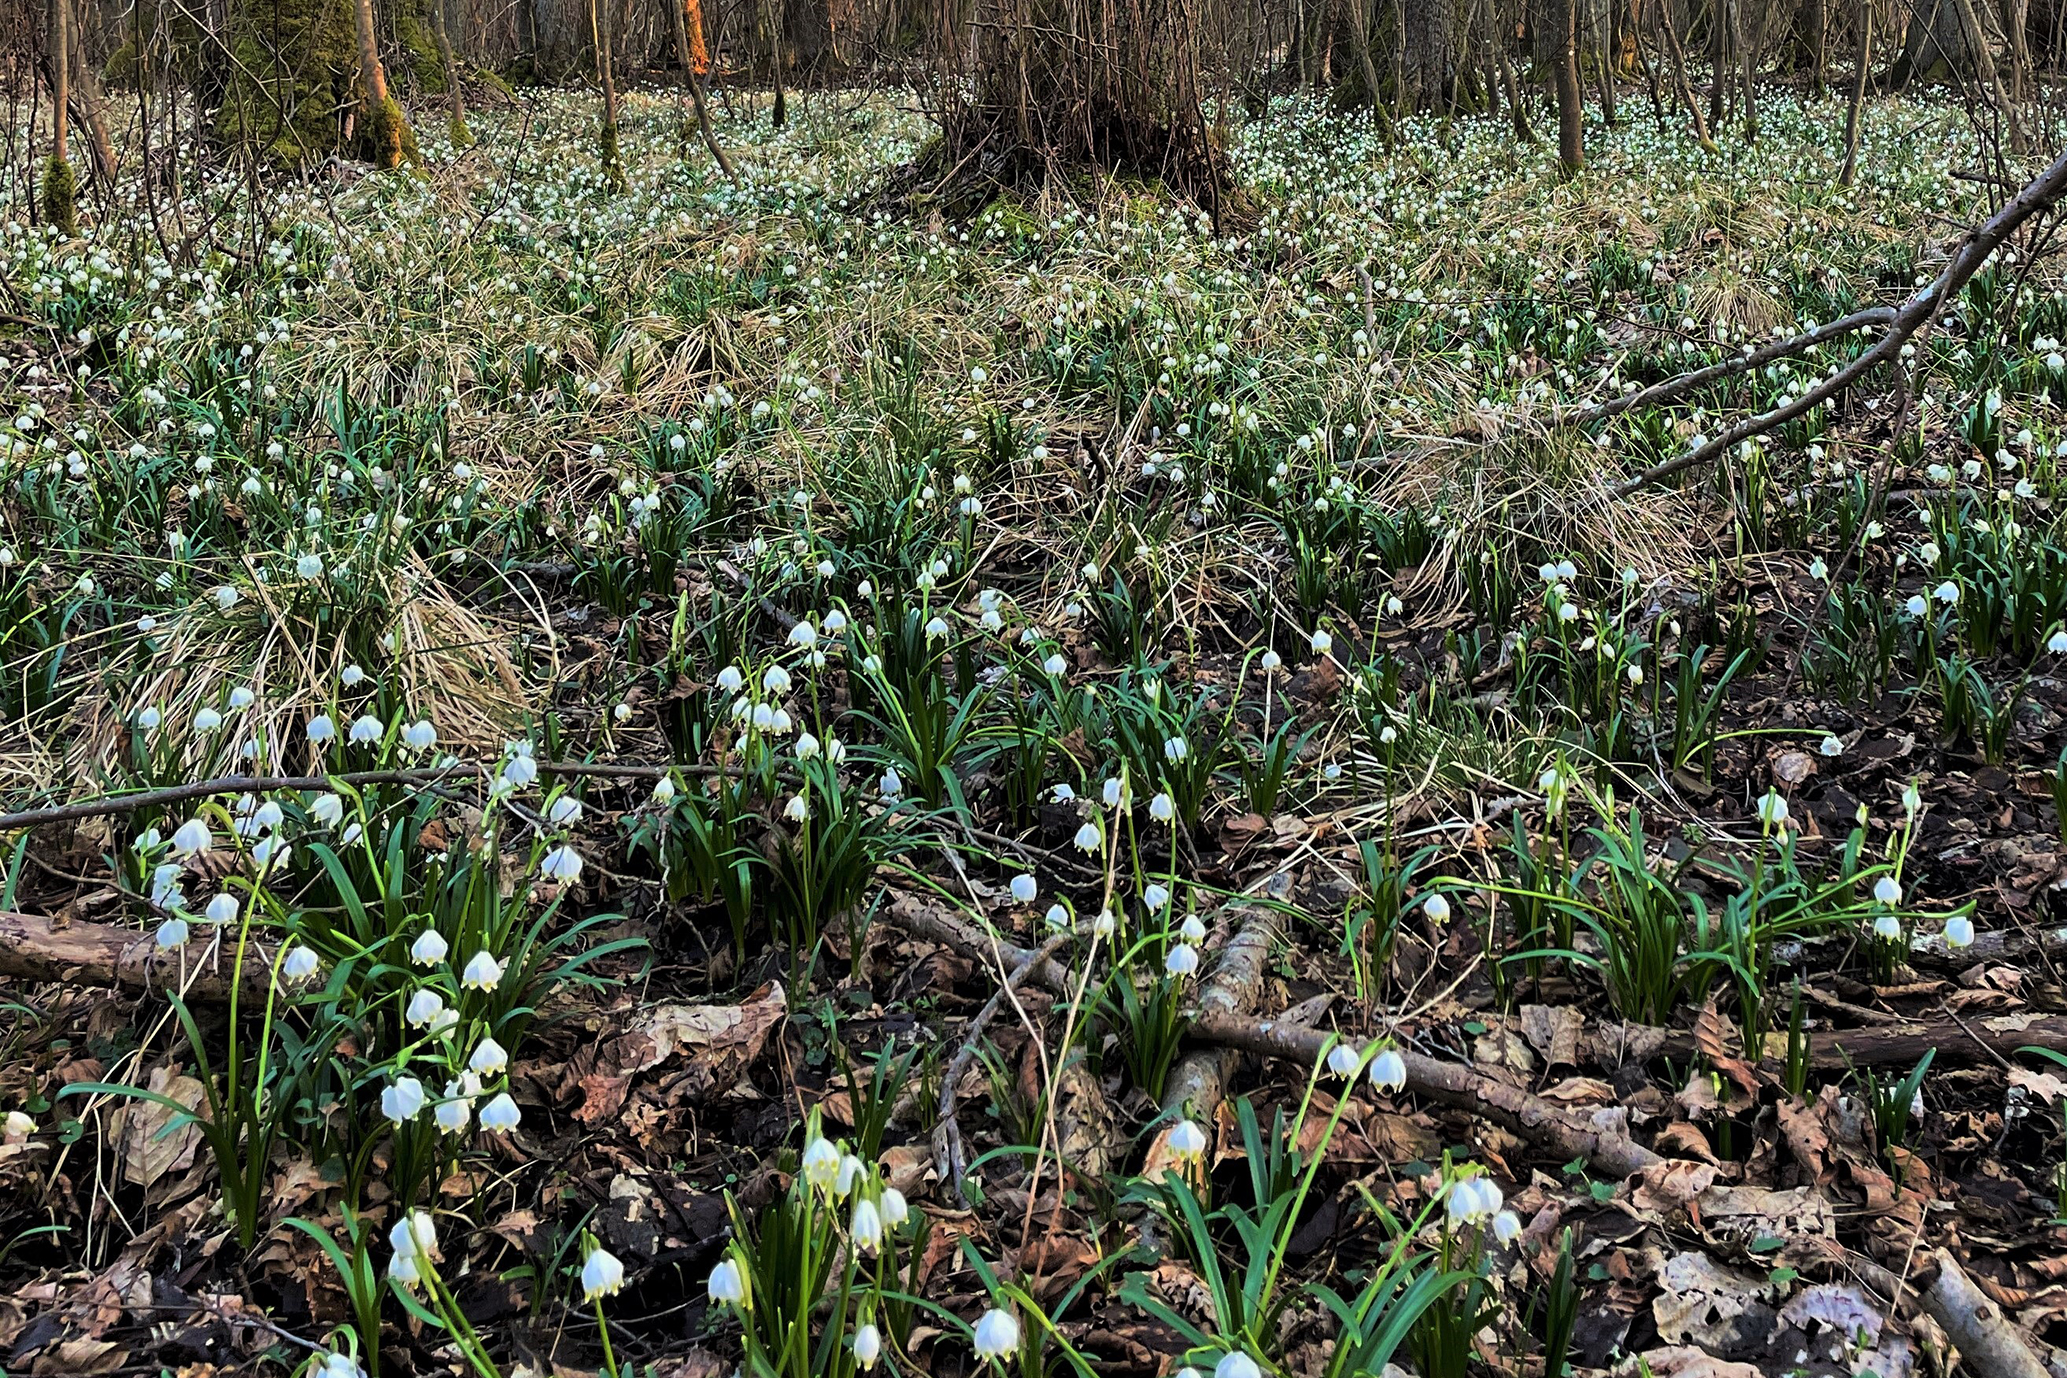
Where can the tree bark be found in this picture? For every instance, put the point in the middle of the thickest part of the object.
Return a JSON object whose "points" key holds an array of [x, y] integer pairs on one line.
{"points": [[1571, 114], [60, 190], [612, 157], [455, 98], [380, 116], [1680, 84], [1857, 106], [689, 51], [33, 948], [1748, 55]]}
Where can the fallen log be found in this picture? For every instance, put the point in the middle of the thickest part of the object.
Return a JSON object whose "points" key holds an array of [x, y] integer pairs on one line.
{"points": [[1447, 1083], [34, 948], [1989, 1342], [1958, 1042], [1197, 1082]]}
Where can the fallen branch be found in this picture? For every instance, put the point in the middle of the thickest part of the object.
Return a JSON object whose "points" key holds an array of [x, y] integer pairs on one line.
{"points": [[1958, 1042], [1988, 1341], [948, 1158], [112, 804], [1198, 1080], [2040, 194], [1530, 1116], [33, 948]]}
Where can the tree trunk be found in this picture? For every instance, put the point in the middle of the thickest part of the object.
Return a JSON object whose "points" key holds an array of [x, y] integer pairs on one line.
{"points": [[1571, 112], [1680, 85], [1858, 102], [1718, 64], [690, 52], [60, 190], [380, 116], [1748, 56], [599, 31], [1516, 109], [455, 99]]}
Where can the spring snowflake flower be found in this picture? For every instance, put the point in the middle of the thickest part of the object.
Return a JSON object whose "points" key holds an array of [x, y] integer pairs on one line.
{"points": [[565, 810], [730, 679], [149, 719], [171, 935], [207, 720], [1182, 961], [1055, 665], [225, 597], [1343, 1060], [1772, 810], [300, 963], [419, 736], [1104, 925], [519, 771], [1831, 746], [1024, 888], [562, 863], [868, 1346], [1187, 1142], [1959, 932], [1888, 927], [1507, 1227], [500, 1115], [403, 1101], [798, 809], [1887, 890], [424, 1006], [1155, 897], [222, 909], [1192, 930], [1176, 749], [1437, 908], [997, 1334], [367, 729], [482, 972], [727, 1285], [453, 1112], [891, 786], [309, 567], [321, 729], [602, 1275], [1946, 593], [1270, 661], [1388, 1071], [776, 680], [866, 1226], [429, 948], [191, 838], [489, 1059], [1322, 643], [664, 790], [1916, 607], [821, 1164], [1235, 1364], [326, 809], [803, 634], [895, 1209], [1114, 793], [2057, 642]]}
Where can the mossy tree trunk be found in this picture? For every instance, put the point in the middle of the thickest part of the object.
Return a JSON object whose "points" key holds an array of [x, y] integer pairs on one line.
{"points": [[305, 80], [455, 98], [60, 191], [383, 121], [611, 154]]}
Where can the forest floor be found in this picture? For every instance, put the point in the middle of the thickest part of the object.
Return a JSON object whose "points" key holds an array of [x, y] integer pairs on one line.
{"points": [[1160, 744]]}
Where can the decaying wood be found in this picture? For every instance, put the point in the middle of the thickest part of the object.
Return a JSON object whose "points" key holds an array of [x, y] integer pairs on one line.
{"points": [[1989, 1342], [1528, 1115], [1198, 1080], [34, 948]]}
